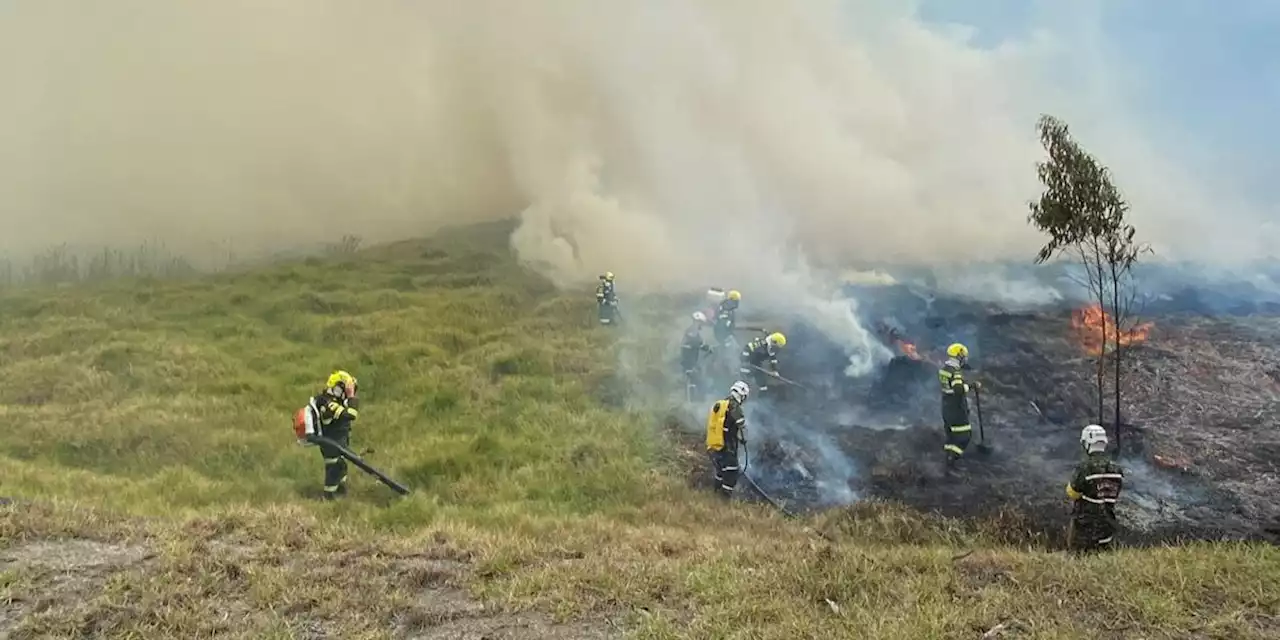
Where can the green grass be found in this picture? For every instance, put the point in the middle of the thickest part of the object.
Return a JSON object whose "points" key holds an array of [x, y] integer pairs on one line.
{"points": [[157, 413]]}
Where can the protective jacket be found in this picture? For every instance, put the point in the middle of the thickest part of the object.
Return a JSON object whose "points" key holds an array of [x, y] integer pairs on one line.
{"points": [[726, 318], [955, 394], [333, 414], [1095, 488], [955, 410], [333, 419], [692, 347], [605, 292], [726, 426], [760, 353], [606, 302]]}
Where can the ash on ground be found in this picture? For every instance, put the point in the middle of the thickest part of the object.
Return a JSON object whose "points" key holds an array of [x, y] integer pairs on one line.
{"points": [[1199, 450]]}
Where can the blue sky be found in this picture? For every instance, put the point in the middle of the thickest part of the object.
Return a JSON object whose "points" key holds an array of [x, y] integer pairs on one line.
{"points": [[1210, 70]]}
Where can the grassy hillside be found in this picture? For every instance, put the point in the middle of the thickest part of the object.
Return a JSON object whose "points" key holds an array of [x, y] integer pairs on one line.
{"points": [[158, 491]]}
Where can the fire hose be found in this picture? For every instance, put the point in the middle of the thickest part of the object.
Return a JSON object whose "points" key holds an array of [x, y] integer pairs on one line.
{"points": [[787, 513], [783, 509]]}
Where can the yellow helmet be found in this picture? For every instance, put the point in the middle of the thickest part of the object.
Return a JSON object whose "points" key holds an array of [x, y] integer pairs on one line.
{"points": [[734, 295], [777, 339], [342, 380], [957, 350], [608, 275]]}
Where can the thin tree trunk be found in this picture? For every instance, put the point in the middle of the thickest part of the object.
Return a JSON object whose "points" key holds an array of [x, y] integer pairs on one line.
{"points": [[1102, 306], [1090, 253], [1115, 316]]}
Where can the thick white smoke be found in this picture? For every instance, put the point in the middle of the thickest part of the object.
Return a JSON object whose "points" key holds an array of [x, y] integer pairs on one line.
{"points": [[667, 140]]}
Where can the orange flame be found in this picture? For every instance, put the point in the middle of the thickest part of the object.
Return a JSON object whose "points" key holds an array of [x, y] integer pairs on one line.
{"points": [[1094, 328], [905, 347], [908, 349]]}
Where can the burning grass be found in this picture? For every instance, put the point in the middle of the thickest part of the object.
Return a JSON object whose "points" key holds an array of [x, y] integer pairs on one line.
{"points": [[1200, 450], [1095, 328], [161, 494]]}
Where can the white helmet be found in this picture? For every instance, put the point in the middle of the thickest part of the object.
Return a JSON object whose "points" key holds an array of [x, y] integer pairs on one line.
{"points": [[1093, 439], [699, 316], [739, 391]]}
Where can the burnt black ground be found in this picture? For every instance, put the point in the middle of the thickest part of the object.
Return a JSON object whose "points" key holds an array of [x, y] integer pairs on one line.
{"points": [[1199, 394]]}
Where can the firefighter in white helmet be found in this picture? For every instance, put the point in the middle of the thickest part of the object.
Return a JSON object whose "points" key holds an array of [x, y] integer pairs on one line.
{"points": [[1093, 490], [691, 349], [726, 429]]}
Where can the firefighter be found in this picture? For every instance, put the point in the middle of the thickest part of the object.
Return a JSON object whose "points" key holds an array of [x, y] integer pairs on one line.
{"points": [[1093, 490], [955, 402], [726, 429], [334, 409], [691, 349], [726, 318], [607, 299], [760, 359]]}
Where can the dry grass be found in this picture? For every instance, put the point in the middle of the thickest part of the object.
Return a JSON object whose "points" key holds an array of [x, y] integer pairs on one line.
{"points": [[162, 496]]}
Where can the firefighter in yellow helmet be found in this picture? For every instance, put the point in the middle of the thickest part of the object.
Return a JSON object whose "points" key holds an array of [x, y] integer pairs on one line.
{"points": [[760, 359], [726, 318], [955, 402], [334, 409], [607, 299]]}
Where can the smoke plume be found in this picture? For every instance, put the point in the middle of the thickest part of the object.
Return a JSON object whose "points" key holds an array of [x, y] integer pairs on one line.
{"points": [[669, 141]]}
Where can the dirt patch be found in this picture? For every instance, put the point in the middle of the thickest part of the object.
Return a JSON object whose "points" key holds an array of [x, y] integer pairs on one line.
{"points": [[54, 587], [74, 555], [483, 625], [65, 573], [441, 610]]}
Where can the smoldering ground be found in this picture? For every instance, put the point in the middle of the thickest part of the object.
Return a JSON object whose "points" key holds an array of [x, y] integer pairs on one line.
{"points": [[1199, 410]]}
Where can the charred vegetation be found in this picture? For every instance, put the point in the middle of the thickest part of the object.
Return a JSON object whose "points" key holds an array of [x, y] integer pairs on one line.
{"points": [[1200, 409]]}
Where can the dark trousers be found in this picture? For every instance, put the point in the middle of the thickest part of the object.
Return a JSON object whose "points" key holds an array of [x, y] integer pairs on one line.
{"points": [[756, 373], [692, 377], [335, 466], [607, 312], [725, 464], [724, 337], [957, 441], [1091, 531]]}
